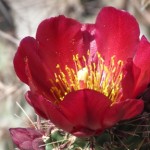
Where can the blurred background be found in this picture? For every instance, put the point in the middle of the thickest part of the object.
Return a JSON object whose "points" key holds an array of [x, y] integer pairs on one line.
{"points": [[20, 18]]}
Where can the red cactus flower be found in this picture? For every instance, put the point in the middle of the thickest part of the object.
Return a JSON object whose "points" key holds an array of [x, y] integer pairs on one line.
{"points": [[85, 77], [27, 138]]}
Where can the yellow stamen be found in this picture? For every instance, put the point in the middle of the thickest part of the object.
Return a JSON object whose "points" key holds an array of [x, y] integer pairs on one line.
{"points": [[100, 77]]}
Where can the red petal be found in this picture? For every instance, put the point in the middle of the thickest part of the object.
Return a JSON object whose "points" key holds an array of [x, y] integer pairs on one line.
{"points": [[141, 57], [121, 111], [48, 110], [129, 81], [77, 113], [132, 108], [59, 39], [112, 115], [30, 68], [19, 61], [142, 61], [36, 101], [85, 108], [117, 33], [137, 72]]}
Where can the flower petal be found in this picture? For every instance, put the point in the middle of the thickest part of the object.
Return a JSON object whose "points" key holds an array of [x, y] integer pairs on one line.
{"points": [[117, 33], [59, 39], [137, 71], [30, 68], [76, 114], [19, 59], [121, 111], [112, 115], [132, 108], [48, 110], [85, 108], [142, 61], [129, 81]]}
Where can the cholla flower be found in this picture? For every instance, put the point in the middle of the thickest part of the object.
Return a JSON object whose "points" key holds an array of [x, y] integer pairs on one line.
{"points": [[85, 77]]}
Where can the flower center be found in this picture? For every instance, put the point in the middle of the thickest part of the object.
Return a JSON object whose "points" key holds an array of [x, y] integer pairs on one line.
{"points": [[98, 76]]}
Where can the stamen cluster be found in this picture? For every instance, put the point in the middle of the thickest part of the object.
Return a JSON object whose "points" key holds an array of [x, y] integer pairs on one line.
{"points": [[100, 77]]}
